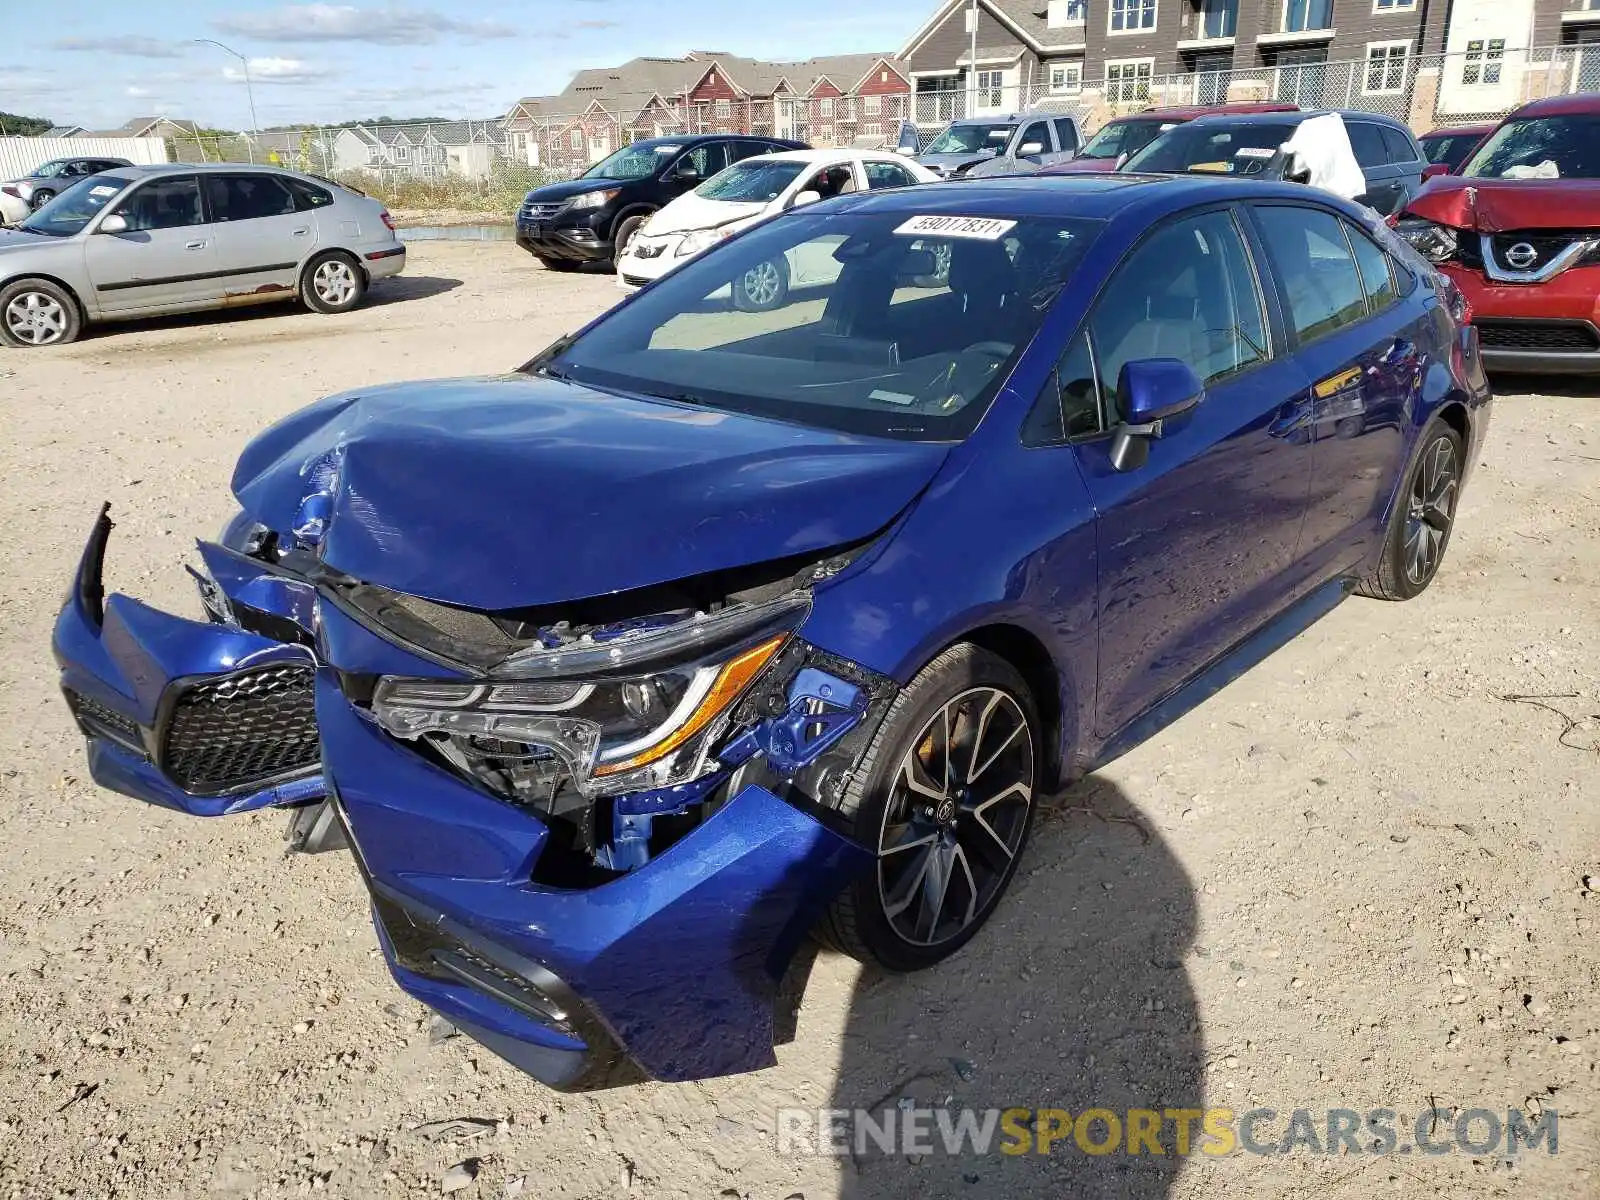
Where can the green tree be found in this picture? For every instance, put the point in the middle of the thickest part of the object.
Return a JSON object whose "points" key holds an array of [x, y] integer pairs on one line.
{"points": [[13, 125]]}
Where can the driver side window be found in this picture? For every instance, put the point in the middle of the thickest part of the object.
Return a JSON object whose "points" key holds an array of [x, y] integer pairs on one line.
{"points": [[163, 204], [1188, 292]]}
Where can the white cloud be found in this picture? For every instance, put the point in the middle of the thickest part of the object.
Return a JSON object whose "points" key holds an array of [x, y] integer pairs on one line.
{"points": [[136, 91], [122, 43], [346, 23], [278, 70]]}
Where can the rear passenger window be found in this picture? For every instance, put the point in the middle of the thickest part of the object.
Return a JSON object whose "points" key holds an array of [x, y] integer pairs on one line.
{"points": [[308, 195], [247, 197], [1376, 277], [1318, 276], [1399, 146], [1188, 292], [1367, 141], [1066, 135]]}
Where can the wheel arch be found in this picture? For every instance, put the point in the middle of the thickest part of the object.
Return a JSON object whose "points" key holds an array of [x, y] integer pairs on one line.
{"points": [[83, 309], [1049, 684], [637, 208]]}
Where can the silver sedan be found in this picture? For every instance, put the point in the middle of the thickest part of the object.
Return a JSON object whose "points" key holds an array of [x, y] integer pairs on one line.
{"points": [[141, 241]]}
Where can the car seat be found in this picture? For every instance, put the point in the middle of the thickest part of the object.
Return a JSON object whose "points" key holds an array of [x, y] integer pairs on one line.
{"points": [[983, 280]]}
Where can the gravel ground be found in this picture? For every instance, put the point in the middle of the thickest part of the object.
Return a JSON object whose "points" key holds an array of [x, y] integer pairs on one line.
{"points": [[1355, 878]]}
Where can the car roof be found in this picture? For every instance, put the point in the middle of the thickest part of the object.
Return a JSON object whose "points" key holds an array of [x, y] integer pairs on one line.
{"points": [[1459, 130], [811, 156], [148, 170], [1289, 119], [1574, 105], [1189, 112], [1092, 197], [1006, 118], [694, 139]]}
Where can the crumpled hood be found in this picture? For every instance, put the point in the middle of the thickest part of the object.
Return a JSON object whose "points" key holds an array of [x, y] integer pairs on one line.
{"points": [[693, 212], [951, 163], [514, 491], [1500, 205]]}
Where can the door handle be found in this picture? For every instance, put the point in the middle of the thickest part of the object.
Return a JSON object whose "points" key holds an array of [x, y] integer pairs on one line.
{"points": [[200, 245], [302, 231]]}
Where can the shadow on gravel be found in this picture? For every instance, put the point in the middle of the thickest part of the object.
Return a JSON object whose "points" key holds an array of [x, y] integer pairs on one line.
{"points": [[1074, 997]]}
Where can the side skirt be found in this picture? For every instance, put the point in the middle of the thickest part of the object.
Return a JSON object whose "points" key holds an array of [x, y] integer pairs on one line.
{"points": [[1267, 640]]}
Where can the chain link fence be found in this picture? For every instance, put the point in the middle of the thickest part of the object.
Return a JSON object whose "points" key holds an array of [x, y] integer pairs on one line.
{"points": [[487, 166]]}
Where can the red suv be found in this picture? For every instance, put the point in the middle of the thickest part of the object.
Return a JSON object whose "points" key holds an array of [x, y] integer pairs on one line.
{"points": [[1127, 135], [1518, 231]]}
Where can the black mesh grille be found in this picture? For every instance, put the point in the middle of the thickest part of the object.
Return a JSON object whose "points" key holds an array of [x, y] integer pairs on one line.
{"points": [[1570, 337], [234, 730], [97, 720], [635, 280]]}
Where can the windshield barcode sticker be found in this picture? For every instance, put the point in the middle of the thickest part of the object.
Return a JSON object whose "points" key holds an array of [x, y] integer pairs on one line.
{"points": [[984, 228]]}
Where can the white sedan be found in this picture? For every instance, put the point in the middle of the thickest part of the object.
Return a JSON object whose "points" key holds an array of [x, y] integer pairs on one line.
{"points": [[747, 192]]}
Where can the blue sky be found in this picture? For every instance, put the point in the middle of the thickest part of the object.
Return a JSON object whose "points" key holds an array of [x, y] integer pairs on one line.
{"points": [[99, 63]]}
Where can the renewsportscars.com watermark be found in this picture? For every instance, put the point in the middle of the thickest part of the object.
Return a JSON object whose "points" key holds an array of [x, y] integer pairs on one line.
{"points": [[909, 1130]]}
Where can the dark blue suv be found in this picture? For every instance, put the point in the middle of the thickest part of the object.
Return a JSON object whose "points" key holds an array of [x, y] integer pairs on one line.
{"points": [[711, 629]]}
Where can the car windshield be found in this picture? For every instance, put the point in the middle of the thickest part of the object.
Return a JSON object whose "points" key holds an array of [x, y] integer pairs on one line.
{"points": [[1449, 148], [751, 181], [633, 162], [971, 139], [1122, 137], [1211, 150], [74, 208], [888, 324], [1541, 148]]}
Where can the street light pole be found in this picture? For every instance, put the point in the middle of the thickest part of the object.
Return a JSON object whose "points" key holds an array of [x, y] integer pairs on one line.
{"points": [[972, 64], [255, 125]]}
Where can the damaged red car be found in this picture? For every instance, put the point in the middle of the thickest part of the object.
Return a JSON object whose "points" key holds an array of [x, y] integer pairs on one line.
{"points": [[1518, 231]]}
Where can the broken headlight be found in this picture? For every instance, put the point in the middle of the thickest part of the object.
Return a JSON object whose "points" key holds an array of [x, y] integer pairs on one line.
{"points": [[625, 708], [1436, 243]]}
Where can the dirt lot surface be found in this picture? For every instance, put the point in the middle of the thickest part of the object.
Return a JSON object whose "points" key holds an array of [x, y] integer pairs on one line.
{"points": [[1353, 879]]}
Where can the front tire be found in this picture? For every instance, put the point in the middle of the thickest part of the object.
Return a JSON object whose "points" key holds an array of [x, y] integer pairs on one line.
{"points": [[625, 234], [36, 312], [41, 197], [945, 794], [333, 282], [763, 287], [1423, 518]]}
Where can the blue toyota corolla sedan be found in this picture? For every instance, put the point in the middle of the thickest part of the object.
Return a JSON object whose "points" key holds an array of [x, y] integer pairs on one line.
{"points": [[720, 625]]}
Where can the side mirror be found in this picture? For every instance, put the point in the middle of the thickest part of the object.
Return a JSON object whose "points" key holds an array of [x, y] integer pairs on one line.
{"points": [[803, 198], [687, 172], [1434, 170], [1154, 391], [1122, 161], [1028, 148], [115, 223]]}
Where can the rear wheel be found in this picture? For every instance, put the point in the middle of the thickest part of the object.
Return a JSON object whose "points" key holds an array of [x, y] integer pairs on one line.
{"points": [[1423, 518], [764, 286], [36, 312], [945, 794], [333, 283]]}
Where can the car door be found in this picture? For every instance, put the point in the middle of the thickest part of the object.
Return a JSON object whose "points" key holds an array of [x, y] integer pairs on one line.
{"points": [[1035, 131], [262, 234], [1408, 160], [1384, 191], [1358, 340], [1197, 545], [166, 258], [707, 158], [883, 173]]}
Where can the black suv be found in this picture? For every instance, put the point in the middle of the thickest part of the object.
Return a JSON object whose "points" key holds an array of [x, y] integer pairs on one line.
{"points": [[591, 218], [1247, 144]]}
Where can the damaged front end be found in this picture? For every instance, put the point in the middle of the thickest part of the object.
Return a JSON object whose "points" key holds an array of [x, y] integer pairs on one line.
{"points": [[594, 833]]}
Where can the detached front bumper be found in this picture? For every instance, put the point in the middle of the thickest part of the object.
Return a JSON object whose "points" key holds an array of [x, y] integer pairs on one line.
{"points": [[1536, 328], [667, 971]]}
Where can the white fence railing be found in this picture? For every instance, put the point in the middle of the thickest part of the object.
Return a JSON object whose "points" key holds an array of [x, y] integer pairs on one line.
{"points": [[20, 155]]}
